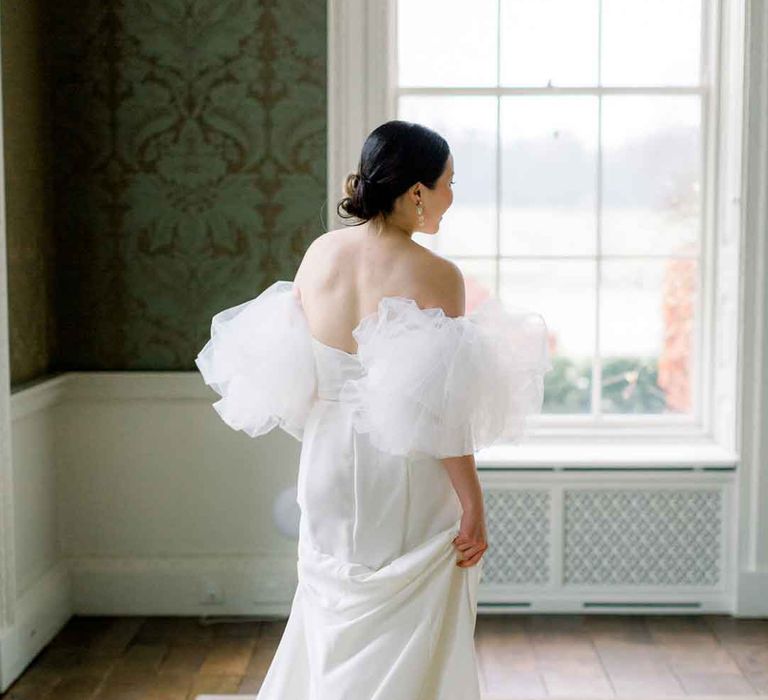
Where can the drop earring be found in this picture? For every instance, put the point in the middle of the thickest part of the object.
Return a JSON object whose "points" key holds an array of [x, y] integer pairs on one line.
{"points": [[420, 212]]}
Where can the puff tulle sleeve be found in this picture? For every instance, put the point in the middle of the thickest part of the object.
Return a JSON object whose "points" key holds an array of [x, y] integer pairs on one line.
{"points": [[447, 386], [259, 359]]}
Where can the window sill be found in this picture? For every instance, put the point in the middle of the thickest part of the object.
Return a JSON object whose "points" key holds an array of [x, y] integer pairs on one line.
{"points": [[592, 454]]}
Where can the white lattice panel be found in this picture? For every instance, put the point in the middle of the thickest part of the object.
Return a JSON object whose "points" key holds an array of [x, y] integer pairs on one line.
{"points": [[654, 537], [590, 541], [519, 539]]}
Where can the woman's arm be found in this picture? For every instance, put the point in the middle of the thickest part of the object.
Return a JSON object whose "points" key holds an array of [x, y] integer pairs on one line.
{"points": [[471, 542], [448, 290], [463, 473]]}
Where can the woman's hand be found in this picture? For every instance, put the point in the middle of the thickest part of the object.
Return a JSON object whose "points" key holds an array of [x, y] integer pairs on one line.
{"points": [[471, 541]]}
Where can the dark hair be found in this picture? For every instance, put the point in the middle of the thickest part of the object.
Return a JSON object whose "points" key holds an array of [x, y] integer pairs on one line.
{"points": [[395, 156]]}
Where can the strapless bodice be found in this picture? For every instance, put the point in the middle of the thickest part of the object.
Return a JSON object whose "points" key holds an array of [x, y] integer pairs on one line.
{"points": [[334, 367]]}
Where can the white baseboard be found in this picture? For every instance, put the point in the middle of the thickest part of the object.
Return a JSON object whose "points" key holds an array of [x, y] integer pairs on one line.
{"points": [[239, 585]]}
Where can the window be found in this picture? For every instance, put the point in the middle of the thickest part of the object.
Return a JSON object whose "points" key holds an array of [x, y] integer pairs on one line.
{"points": [[578, 130], [599, 152]]}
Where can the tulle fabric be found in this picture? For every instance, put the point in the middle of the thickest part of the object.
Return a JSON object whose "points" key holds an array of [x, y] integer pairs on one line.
{"points": [[428, 382], [447, 386], [260, 360]]}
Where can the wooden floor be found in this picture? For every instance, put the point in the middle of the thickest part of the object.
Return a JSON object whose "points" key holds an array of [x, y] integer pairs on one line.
{"points": [[526, 656]]}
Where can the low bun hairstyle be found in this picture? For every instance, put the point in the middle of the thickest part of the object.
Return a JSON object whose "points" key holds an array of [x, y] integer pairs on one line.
{"points": [[395, 156]]}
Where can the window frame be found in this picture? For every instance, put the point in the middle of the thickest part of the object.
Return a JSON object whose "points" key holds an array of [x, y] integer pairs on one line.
{"points": [[362, 52]]}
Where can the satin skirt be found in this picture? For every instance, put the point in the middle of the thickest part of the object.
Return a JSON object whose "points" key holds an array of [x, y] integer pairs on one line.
{"points": [[381, 611]]}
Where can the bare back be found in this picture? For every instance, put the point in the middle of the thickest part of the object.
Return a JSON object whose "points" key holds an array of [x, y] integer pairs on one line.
{"points": [[345, 273]]}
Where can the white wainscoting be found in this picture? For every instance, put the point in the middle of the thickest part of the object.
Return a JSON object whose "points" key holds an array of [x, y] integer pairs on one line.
{"points": [[152, 505], [163, 506]]}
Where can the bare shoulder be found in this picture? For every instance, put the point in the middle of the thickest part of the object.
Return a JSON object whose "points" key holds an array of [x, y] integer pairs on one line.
{"points": [[406, 266], [445, 284], [323, 248], [324, 242]]}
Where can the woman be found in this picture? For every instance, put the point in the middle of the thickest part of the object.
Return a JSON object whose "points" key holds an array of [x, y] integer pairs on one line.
{"points": [[369, 359]]}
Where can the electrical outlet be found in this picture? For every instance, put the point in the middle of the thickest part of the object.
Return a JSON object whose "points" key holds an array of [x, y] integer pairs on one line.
{"points": [[211, 593]]}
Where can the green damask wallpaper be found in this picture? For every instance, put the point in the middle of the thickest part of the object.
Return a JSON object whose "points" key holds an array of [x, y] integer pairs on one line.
{"points": [[189, 161], [28, 200]]}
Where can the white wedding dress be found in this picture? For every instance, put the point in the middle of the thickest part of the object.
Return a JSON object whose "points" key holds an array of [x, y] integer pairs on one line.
{"points": [[381, 611]]}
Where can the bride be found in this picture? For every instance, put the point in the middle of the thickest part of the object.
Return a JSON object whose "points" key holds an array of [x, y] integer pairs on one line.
{"points": [[370, 358]]}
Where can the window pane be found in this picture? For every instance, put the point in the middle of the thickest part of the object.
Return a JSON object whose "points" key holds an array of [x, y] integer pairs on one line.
{"points": [[547, 42], [469, 125], [653, 42], [563, 292], [549, 162], [651, 174], [446, 43], [647, 310]]}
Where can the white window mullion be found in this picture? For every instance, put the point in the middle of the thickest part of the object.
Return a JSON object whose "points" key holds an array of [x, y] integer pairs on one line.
{"points": [[596, 408], [499, 203], [361, 78]]}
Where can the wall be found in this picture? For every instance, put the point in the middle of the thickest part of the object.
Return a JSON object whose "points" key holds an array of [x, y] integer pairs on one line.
{"points": [[28, 154], [189, 172]]}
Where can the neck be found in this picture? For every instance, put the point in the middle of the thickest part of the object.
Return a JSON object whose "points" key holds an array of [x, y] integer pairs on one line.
{"points": [[388, 228]]}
